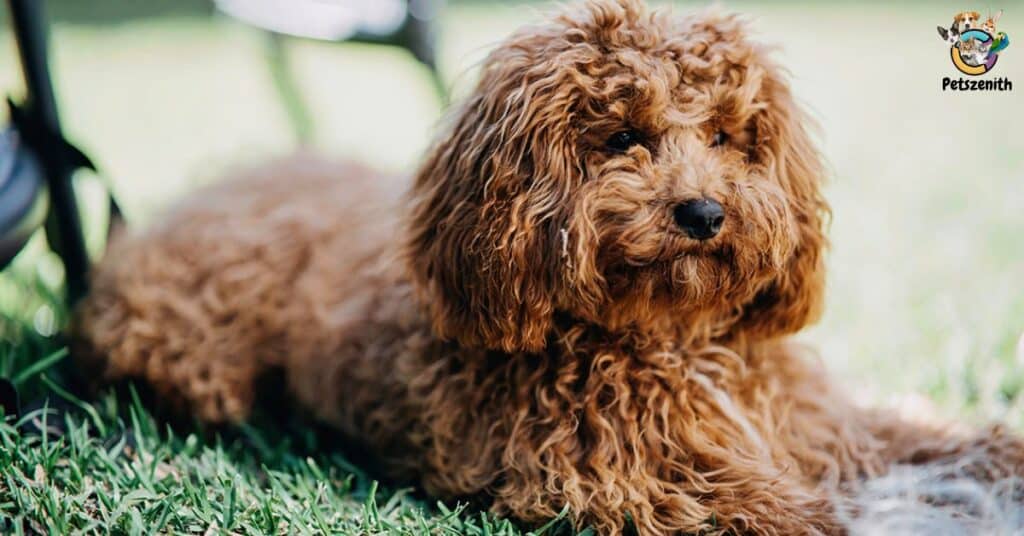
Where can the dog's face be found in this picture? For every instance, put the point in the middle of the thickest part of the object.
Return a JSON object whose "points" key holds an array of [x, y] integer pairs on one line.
{"points": [[966, 20], [633, 171]]}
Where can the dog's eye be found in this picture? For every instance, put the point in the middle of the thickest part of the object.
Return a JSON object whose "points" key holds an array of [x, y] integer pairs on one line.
{"points": [[719, 138], [621, 141]]}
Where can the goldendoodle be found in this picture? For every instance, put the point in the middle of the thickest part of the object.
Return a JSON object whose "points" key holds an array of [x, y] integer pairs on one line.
{"points": [[583, 301]]}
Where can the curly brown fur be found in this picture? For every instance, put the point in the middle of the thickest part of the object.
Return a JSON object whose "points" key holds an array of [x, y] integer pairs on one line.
{"points": [[530, 326]]}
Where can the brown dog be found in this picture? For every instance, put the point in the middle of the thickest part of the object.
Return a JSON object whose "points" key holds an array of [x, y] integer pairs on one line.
{"points": [[583, 302], [966, 20]]}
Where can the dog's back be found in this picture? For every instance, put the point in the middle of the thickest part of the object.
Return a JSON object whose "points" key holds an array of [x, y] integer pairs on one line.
{"points": [[254, 270]]}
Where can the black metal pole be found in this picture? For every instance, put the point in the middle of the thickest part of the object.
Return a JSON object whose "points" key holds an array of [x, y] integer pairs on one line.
{"points": [[63, 227]]}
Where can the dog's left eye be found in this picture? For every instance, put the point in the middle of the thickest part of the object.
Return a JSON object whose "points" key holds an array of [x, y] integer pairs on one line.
{"points": [[719, 138], [621, 141]]}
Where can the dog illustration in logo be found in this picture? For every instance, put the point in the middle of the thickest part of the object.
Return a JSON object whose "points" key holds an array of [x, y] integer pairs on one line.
{"points": [[975, 46], [966, 20]]}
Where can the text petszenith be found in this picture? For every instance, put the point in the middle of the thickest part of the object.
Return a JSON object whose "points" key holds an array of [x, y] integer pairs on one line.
{"points": [[963, 84]]}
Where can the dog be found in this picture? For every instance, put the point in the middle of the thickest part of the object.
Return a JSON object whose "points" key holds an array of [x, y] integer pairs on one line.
{"points": [[583, 302], [966, 20]]}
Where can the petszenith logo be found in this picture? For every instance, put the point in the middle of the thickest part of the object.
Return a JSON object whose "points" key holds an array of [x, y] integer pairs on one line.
{"points": [[974, 48]]}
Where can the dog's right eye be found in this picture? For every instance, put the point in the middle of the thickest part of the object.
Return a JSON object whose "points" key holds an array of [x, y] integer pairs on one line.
{"points": [[719, 138], [621, 141]]}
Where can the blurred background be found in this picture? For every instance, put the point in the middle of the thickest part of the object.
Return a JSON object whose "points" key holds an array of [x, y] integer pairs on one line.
{"points": [[926, 267]]}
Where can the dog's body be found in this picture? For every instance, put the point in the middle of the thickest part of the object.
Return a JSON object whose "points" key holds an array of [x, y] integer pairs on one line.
{"points": [[548, 320]]}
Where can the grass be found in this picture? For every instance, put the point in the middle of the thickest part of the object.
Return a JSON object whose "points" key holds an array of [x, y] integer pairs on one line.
{"points": [[925, 270], [107, 466], [144, 480]]}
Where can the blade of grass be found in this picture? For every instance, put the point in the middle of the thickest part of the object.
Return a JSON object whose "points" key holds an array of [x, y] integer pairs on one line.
{"points": [[87, 408], [39, 366]]}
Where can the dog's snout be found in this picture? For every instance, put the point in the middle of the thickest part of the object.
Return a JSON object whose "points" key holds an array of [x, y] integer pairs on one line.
{"points": [[701, 219]]}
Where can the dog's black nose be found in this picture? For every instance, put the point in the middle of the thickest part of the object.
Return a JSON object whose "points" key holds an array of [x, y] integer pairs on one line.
{"points": [[700, 218]]}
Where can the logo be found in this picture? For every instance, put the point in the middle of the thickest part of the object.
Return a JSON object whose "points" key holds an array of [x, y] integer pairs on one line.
{"points": [[974, 49]]}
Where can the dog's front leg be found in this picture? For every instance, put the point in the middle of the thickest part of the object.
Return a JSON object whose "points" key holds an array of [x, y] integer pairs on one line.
{"points": [[699, 495], [634, 444]]}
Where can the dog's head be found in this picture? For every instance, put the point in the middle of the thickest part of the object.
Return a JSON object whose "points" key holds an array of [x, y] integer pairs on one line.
{"points": [[626, 169], [966, 20]]}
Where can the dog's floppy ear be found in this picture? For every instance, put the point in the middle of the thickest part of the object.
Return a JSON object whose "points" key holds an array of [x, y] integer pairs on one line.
{"points": [[784, 146], [483, 233]]}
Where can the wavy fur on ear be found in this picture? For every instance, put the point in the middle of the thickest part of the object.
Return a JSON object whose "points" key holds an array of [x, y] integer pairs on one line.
{"points": [[486, 209], [795, 297]]}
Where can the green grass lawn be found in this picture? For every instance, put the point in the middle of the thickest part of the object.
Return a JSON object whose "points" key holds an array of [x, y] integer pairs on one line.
{"points": [[926, 268]]}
